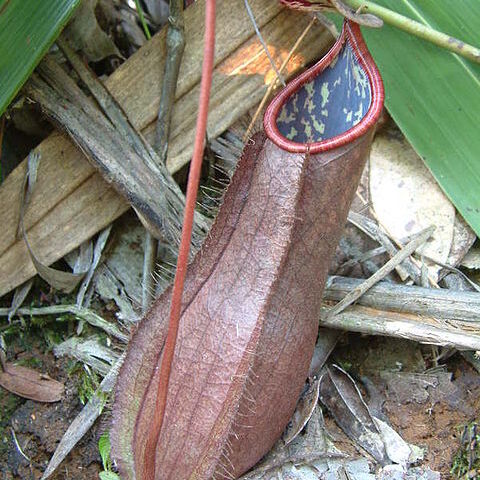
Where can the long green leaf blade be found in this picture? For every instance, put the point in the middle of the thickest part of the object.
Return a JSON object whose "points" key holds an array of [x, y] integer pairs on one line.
{"points": [[27, 30], [434, 95]]}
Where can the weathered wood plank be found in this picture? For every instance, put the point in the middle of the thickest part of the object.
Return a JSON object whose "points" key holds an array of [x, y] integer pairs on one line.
{"points": [[136, 86], [65, 178]]}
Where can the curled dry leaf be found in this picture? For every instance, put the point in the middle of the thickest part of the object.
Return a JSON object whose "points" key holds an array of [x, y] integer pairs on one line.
{"points": [[64, 281], [305, 406], [84, 33], [340, 394], [28, 383]]}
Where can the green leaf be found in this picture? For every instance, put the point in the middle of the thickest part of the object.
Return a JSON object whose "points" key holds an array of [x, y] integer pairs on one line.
{"points": [[108, 476], [434, 95], [27, 30], [104, 449]]}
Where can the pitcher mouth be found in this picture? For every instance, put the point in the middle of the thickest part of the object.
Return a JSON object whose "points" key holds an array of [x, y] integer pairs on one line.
{"points": [[332, 103]]}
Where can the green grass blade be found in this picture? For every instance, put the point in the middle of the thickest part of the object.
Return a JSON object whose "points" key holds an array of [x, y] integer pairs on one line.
{"points": [[434, 95], [27, 30]]}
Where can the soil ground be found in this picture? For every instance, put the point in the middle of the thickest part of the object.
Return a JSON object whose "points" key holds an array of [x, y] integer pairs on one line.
{"points": [[428, 410]]}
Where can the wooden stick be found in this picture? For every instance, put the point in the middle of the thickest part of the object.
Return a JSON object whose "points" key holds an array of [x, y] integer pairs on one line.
{"points": [[175, 48], [430, 302], [367, 226], [400, 325]]}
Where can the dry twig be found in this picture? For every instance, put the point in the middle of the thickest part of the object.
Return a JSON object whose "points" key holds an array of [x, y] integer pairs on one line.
{"points": [[352, 296]]}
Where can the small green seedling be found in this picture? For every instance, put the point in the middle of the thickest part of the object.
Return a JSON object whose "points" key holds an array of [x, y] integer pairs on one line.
{"points": [[104, 449]]}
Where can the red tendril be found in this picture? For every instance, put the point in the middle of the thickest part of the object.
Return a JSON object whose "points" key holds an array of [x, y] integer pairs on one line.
{"points": [[182, 261]]}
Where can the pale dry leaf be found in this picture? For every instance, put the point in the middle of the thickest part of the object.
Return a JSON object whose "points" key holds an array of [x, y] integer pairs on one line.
{"points": [[397, 449], [80, 259], [406, 198], [463, 239], [84, 420], [97, 255], [19, 296]]}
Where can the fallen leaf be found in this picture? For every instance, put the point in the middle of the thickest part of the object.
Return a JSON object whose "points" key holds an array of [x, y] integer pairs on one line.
{"points": [[84, 420], [19, 296], [398, 451], [85, 34], [28, 383], [339, 393], [59, 279], [406, 198], [158, 10], [463, 239], [472, 259]]}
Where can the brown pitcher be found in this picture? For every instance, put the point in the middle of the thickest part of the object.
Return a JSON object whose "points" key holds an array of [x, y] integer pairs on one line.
{"points": [[253, 293]]}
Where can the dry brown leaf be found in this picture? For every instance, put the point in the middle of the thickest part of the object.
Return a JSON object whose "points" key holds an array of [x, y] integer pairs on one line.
{"points": [[28, 383]]}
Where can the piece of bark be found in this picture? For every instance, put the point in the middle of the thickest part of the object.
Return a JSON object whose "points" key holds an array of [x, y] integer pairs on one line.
{"points": [[382, 272], [71, 202], [113, 146]]}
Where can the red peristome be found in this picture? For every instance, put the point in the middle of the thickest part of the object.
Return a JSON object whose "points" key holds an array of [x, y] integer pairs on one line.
{"points": [[350, 33]]}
